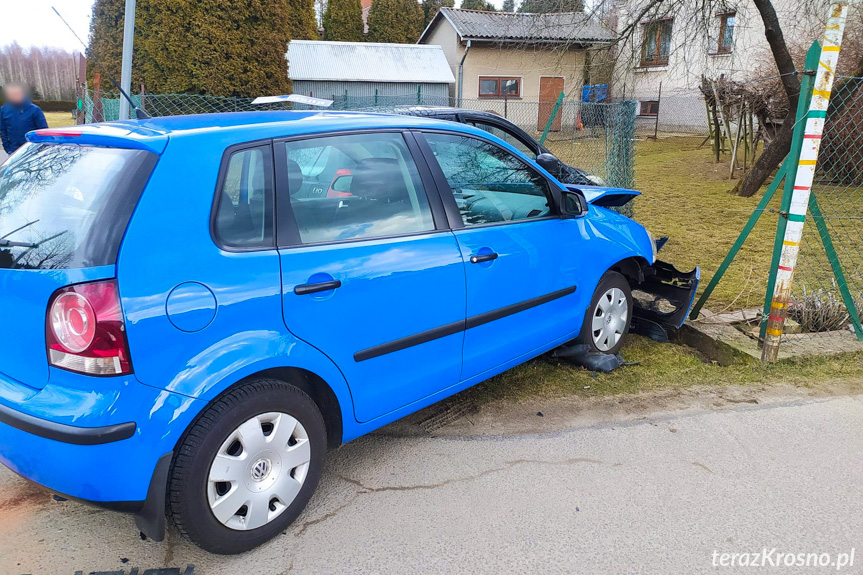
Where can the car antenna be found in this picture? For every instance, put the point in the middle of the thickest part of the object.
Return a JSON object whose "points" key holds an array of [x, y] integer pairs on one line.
{"points": [[139, 113]]}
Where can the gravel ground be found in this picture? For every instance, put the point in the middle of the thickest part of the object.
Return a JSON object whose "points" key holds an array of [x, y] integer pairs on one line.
{"points": [[632, 489]]}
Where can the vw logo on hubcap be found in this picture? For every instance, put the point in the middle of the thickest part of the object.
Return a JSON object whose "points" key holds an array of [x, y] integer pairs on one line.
{"points": [[261, 469]]}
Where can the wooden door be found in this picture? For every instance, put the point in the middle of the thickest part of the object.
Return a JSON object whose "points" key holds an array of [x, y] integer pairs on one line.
{"points": [[550, 88]]}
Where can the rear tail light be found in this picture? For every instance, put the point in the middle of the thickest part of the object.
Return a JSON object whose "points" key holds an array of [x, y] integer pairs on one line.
{"points": [[86, 332]]}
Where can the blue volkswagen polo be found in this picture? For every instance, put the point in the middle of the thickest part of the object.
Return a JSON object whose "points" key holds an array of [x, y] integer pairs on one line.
{"points": [[195, 309]]}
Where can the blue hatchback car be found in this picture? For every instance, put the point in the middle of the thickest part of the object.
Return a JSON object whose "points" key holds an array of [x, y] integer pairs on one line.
{"points": [[195, 309]]}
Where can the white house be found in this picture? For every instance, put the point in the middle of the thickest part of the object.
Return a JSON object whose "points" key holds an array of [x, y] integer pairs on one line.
{"points": [[675, 49]]}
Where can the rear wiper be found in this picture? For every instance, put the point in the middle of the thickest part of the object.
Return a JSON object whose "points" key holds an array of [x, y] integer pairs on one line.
{"points": [[16, 230]]}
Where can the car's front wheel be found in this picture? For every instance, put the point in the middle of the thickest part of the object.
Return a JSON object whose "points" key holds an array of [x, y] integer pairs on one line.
{"points": [[607, 320], [247, 467]]}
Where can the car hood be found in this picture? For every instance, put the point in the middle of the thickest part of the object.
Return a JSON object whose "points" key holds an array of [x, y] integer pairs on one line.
{"points": [[604, 196]]}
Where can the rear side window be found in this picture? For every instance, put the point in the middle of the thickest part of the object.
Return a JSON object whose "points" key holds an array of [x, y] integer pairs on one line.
{"points": [[244, 213], [67, 206], [355, 187]]}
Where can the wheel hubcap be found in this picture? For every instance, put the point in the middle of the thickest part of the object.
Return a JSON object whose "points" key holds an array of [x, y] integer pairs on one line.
{"points": [[609, 319], [258, 471]]}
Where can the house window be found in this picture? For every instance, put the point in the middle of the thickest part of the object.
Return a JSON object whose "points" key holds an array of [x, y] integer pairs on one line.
{"points": [[649, 108], [657, 43], [499, 87], [726, 31]]}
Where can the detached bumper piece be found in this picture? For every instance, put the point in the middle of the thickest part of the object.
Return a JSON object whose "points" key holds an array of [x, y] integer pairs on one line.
{"points": [[663, 299], [580, 355]]}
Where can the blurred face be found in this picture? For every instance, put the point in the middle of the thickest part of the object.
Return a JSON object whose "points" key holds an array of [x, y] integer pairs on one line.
{"points": [[14, 94]]}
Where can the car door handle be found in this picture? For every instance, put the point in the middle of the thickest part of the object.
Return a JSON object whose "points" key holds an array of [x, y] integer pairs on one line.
{"points": [[483, 258], [306, 289]]}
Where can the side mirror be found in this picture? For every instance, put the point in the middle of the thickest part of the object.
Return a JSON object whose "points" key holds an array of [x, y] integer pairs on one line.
{"points": [[572, 204], [549, 163]]}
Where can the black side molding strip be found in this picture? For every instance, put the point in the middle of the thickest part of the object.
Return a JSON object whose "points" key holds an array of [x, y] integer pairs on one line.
{"points": [[66, 433], [410, 341], [457, 326], [490, 316]]}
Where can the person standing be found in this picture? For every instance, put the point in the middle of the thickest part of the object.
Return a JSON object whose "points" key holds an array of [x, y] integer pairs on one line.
{"points": [[18, 116]]}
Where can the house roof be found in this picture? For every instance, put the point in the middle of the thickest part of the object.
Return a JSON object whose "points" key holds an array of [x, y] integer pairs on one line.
{"points": [[367, 62], [573, 27]]}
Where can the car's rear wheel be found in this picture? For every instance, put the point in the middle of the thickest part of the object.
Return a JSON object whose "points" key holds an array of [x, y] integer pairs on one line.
{"points": [[247, 467], [607, 320]]}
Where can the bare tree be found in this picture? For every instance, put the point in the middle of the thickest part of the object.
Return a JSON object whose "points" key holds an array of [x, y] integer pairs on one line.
{"points": [[696, 29], [50, 72]]}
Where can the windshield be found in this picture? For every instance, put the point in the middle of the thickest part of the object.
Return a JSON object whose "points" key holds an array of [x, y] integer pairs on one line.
{"points": [[67, 206]]}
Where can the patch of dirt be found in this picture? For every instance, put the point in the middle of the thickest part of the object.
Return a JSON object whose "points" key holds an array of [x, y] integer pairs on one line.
{"points": [[523, 418], [25, 494]]}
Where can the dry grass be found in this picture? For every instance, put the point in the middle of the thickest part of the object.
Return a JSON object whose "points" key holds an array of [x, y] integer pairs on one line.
{"points": [[685, 196], [659, 366]]}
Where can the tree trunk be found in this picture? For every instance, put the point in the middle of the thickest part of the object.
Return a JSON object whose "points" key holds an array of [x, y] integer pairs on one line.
{"points": [[781, 144]]}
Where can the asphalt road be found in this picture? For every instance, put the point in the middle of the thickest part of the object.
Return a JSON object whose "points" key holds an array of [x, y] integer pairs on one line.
{"points": [[656, 493]]}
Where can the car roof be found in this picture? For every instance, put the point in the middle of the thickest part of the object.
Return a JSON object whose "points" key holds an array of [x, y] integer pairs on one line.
{"points": [[152, 134]]}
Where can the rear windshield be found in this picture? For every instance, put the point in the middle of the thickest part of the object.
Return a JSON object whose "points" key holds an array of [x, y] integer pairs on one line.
{"points": [[67, 206]]}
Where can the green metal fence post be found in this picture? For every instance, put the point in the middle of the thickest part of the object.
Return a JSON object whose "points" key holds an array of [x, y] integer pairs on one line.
{"points": [[833, 258], [376, 96], [551, 118], [790, 163], [419, 94]]}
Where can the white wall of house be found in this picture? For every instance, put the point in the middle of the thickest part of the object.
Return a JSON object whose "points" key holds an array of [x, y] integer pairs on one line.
{"points": [[694, 53]]}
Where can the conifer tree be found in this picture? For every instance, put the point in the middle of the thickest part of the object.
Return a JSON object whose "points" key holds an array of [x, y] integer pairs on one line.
{"points": [[397, 21], [343, 21], [213, 47], [478, 5], [431, 7]]}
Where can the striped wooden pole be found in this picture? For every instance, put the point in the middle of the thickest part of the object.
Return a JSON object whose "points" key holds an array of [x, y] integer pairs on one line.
{"points": [[803, 182]]}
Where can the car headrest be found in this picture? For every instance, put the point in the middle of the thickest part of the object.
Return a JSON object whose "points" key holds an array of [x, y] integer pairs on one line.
{"points": [[295, 177], [380, 179], [226, 216]]}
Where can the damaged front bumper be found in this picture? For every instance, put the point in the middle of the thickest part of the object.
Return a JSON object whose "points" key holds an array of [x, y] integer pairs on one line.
{"points": [[663, 299]]}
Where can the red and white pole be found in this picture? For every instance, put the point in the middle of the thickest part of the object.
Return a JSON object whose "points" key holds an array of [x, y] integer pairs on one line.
{"points": [[815, 117]]}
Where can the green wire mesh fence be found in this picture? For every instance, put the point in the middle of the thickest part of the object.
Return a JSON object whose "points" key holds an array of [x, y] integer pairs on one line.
{"points": [[598, 138], [829, 272]]}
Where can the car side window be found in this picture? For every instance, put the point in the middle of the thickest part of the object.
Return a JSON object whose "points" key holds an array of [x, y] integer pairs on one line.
{"points": [[355, 187], [507, 137], [490, 184], [244, 213]]}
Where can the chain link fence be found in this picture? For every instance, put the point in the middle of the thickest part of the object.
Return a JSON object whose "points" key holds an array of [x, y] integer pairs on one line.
{"points": [[598, 138], [828, 280]]}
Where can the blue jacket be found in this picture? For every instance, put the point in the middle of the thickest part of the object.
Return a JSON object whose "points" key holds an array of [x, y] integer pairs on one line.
{"points": [[16, 121]]}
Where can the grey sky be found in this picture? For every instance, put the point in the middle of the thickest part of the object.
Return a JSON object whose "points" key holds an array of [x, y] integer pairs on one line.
{"points": [[33, 23]]}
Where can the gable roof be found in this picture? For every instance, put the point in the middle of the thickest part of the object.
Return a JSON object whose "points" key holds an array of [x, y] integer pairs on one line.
{"points": [[566, 27], [367, 62]]}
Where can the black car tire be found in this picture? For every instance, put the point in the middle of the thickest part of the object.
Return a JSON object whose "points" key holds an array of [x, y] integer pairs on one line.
{"points": [[187, 499], [609, 281]]}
